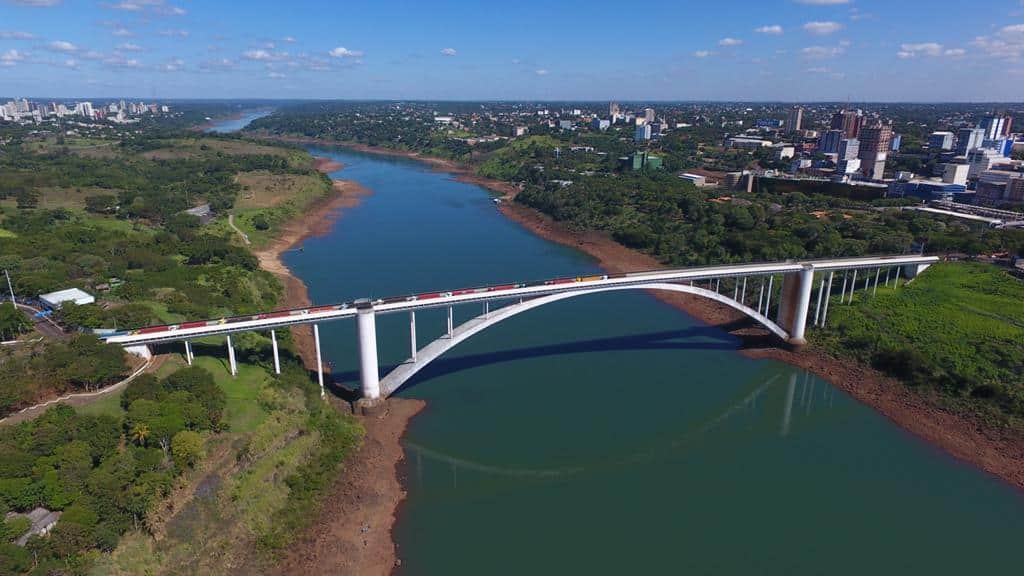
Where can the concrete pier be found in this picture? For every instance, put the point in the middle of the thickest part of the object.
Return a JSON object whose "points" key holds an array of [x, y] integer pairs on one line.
{"points": [[231, 357], [369, 372]]}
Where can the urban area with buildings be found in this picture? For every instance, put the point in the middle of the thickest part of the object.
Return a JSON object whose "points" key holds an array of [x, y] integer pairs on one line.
{"points": [[26, 111], [962, 158]]}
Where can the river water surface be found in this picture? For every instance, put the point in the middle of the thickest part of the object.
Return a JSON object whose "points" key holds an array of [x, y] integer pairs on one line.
{"points": [[613, 434]]}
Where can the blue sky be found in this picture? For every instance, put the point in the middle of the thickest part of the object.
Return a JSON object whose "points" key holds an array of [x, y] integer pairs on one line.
{"points": [[861, 50]]}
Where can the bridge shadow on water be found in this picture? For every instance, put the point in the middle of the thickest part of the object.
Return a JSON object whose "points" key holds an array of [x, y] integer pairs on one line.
{"points": [[694, 338]]}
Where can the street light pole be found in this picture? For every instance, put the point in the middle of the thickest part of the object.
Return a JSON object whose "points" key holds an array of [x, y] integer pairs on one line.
{"points": [[9, 287]]}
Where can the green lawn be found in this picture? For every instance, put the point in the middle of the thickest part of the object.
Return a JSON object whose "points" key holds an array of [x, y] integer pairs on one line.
{"points": [[243, 412], [7, 234], [958, 328], [109, 404]]}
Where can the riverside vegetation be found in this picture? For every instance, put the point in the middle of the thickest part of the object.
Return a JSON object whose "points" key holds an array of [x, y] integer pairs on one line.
{"points": [[186, 469], [575, 178]]}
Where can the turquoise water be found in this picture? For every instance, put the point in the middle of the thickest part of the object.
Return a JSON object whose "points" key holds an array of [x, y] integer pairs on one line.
{"points": [[612, 434]]}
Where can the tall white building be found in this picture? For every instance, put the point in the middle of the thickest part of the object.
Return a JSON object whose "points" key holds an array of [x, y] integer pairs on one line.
{"points": [[649, 115], [643, 133], [795, 119], [980, 160], [993, 126]]}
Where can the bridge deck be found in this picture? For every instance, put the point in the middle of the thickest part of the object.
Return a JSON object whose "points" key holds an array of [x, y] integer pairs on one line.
{"points": [[317, 314]]}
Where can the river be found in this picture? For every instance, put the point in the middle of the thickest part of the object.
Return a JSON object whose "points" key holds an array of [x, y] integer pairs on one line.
{"points": [[613, 434]]}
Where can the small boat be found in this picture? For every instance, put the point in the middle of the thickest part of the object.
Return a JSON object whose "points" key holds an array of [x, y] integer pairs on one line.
{"points": [[496, 200]]}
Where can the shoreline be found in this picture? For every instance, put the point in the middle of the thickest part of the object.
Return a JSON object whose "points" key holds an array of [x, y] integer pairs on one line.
{"points": [[366, 492], [964, 437]]}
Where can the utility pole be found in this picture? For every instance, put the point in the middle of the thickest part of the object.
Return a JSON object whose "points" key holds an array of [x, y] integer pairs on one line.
{"points": [[9, 287]]}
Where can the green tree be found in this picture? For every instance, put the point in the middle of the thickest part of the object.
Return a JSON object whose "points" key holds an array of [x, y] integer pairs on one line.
{"points": [[187, 448], [12, 321]]}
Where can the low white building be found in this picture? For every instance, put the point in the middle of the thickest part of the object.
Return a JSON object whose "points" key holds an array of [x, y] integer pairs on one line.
{"points": [[54, 300]]}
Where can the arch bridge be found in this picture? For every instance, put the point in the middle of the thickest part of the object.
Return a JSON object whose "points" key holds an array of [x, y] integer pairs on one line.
{"points": [[781, 306]]}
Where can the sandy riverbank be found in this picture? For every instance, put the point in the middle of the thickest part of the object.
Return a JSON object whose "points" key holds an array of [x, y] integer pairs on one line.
{"points": [[997, 451], [367, 492]]}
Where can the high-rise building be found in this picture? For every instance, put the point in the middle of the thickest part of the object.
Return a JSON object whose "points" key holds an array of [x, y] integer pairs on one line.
{"points": [[643, 133], [940, 141], [849, 149], [1007, 126], [875, 142], [599, 124], [795, 120], [613, 109], [981, 160], [993, 126], [968, 139], [849, 121], [649, 115], [830, 141]]}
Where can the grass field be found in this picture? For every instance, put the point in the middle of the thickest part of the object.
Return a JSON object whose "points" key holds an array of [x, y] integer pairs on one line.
{"points": [[191, 148], [7, 234], [958, 328]]}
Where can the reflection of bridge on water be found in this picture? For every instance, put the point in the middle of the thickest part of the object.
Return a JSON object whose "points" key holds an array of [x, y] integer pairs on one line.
{"points": [[800, 391]]}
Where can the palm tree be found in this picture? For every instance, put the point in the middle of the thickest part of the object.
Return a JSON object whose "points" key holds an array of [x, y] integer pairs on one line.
{"points": [[140, 433]]}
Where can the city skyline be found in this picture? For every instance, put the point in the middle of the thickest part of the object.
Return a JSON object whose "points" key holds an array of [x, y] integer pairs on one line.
{"points": [[784, 50]]}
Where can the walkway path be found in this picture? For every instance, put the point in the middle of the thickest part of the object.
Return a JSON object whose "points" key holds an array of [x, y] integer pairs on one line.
{"points": [[231, 222]]}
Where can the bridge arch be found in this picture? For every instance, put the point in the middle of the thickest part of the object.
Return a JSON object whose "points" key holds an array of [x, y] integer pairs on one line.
{"points": [[405, 371]]}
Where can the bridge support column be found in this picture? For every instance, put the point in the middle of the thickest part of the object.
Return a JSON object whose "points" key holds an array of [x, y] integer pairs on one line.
{"points": [[828, 296], [451, 322], [319, 360], [188, 353], [369, 373], [874, 290], [412, 335], [277, 358], [231, 357], [795, 303], [853, 287], [817, 309]]}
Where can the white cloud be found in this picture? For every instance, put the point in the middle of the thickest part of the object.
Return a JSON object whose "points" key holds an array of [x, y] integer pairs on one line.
{"points": [[730, 42], [541, 72], [217, 64], [123, 33], [822, 2], [819, 70], [16, 35], [342, 52], [11, 57], [289, 39], [118, 61], [275, 75], [449, 51], [170, 11], [772, 29], [62, 46], [257, 55], [129, 47], [822, 28], [174, 65], [955, 52], [921, 49], [818, 52], [1005, 46], [703, 53], [71, 63], [175, 32], [91, 55], [36, 3]]}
